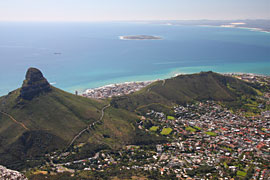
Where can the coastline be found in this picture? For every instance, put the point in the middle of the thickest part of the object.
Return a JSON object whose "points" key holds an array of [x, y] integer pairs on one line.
{"points": [[233, 26], [119, 89], [118, 84], [94, 68], [237, 68], [112, 90], [252, 29]]}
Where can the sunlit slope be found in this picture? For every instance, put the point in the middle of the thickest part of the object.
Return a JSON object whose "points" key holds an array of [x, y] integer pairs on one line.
{"points": [[186, 88], [39, 118]]}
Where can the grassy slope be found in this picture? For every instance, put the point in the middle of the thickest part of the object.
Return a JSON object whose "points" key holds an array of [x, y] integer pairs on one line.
{"points": [[57, 112], [119, 124], [117, 129], [186, 88], [53, 119]]}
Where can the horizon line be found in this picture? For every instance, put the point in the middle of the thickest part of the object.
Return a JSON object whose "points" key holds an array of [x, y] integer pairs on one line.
{"points": [[81, 21]]}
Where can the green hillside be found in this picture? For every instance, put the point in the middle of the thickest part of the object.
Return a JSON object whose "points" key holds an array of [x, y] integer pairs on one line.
{"points": [[47, 122], [57, 111], [39, 118], [184, 89]]}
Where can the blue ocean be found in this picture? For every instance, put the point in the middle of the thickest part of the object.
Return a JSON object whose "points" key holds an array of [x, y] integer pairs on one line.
{"points": [[77, 56]]}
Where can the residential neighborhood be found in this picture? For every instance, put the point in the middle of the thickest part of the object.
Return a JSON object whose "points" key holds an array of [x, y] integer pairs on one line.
{"points": [[206, 141], [115, 89]]}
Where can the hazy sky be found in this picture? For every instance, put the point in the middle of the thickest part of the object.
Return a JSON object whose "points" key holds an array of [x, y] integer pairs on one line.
{"points": [[107, 10]]}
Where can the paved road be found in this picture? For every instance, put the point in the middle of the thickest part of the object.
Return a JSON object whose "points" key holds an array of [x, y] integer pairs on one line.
{"points": [[14, 120], [90, 125], [163, 83]]}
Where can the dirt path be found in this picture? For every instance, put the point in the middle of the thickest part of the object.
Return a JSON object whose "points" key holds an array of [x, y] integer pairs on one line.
{"points": [[14, 120], [90, 125]]}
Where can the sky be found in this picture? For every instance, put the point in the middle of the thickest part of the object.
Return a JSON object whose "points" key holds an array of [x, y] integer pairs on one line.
{"points": [[123, 10]]}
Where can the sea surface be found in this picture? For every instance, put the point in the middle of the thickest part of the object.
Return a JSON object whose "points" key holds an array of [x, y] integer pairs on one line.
{"points": [[77, 56]]}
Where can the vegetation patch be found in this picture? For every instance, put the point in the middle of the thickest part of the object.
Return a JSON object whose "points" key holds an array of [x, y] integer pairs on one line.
{"points": [[211, 133], [166, 131], [225, 165], [154, 128], [250, 114], [241, 173], [259, 93], [170, 117], [198, 128], [227, 148], [229, 87], [191, 129]]}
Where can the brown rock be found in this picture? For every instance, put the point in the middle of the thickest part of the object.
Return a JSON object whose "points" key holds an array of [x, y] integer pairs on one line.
{"points": [[34, 84]]}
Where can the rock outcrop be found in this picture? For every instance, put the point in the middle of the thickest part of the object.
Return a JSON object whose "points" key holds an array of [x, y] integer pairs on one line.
{"points": [[34, 84], [7, 174]]}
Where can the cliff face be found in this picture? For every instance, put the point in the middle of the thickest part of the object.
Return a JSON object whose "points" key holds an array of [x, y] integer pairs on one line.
{"points": [[34, 84]]}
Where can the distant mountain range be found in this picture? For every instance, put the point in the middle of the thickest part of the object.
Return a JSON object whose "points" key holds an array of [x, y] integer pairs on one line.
{"points": [[38, 118]]}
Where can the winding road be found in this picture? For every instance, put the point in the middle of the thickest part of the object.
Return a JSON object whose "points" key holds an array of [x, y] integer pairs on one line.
{"points": [[90, 125], [14, 120], [164, 81]]}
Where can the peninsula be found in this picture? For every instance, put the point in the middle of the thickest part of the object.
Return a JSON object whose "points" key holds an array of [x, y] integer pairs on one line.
{"points": [[140, 37]]}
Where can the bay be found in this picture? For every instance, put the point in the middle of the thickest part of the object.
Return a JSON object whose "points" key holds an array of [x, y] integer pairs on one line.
{"points": [[77, 56]]}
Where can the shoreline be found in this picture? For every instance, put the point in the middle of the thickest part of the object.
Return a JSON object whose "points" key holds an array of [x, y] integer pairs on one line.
{"points": [[119, 89], [233, 26], [84, 90]]}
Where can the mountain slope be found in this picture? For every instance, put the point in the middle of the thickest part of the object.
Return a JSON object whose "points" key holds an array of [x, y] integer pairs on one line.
{"points": [[39, 118], [186, 88]]}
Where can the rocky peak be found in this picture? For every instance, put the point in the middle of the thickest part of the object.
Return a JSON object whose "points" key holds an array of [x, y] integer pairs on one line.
{"points": [[33, 75], [34, 84]]}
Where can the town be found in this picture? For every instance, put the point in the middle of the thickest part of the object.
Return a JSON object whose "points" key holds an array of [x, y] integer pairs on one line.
{"points": [[249, 77], [206, 141], [115, 89]]}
